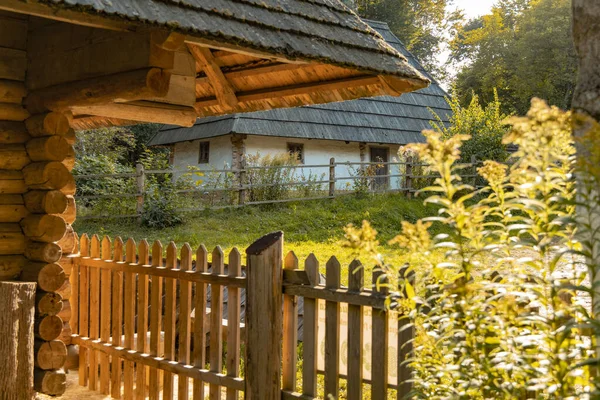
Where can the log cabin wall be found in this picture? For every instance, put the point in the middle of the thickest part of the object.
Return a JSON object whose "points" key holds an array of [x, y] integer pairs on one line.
{"points": [[36, 204]]}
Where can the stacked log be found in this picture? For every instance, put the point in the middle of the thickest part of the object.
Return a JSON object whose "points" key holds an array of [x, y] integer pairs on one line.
{"points": [[49, 239]]}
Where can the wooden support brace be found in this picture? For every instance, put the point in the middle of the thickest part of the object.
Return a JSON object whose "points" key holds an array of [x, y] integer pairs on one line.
{"points": [[223, 90]]}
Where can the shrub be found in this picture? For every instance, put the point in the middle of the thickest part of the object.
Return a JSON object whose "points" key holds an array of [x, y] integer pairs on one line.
{"points": [[495, 318], [485, 125], [160, 210], [271, 181]]}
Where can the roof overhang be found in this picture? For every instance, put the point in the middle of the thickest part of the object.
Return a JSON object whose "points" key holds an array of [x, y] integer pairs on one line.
{"points": [[107, 69]]}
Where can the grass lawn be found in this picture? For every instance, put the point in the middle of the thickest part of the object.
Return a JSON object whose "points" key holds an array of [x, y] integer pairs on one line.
{"points": [[309, 227]]}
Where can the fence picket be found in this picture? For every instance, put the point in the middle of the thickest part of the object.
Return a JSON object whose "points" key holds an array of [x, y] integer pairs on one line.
{"points": [[379, 341], [117, 319], [199, 317], [233, 322], [84, 312], [216, 322], [129, 295], [406, 334], [94, 311], [156, 320], [290, 331], [332, 330], [355, 333], [142, 320], [105, 288], [310, 337], [170, 305], [185, 309]]}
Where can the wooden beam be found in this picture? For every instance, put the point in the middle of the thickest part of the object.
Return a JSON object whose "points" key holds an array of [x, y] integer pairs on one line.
{"points": [[293, 90], [224, 92], [142, 111], [275, 67], [11, 91], [86, 122], [126, 86]]}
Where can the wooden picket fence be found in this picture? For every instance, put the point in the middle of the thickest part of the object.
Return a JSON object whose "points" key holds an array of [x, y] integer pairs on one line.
{"points": [[136, 320]]}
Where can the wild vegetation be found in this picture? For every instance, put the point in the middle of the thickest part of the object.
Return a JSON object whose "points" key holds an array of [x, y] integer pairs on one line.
{"points": [[504, 313]]}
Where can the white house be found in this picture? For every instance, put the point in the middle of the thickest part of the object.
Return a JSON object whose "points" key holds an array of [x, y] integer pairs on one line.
{"points": [[369, 129]]}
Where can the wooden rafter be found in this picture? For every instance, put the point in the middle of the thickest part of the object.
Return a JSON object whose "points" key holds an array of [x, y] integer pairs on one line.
{"points": [[293, 90], [256, 70], [143, 111], [224, 92]]}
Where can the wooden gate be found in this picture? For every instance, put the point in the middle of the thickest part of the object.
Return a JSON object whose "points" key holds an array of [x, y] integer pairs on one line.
{"points": [[135, 328], [147, 325]]}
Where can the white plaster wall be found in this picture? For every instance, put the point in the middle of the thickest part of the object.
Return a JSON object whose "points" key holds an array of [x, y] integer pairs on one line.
{"points": [[316, 152], [186, 154]]}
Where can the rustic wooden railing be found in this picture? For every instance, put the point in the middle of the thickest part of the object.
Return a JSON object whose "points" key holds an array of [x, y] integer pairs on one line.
{"points": [[360, 176], [142, 321], [363, 315], [134, 324]]}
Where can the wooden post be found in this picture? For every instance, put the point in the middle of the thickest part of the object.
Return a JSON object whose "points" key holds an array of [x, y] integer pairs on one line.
{"points": [[16, 341], [406, 335], [264, 318], [141, 189], [332, 177], [408, 179]]}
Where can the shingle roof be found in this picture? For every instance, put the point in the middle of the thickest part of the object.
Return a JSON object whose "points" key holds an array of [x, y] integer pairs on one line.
{"points": [[320, 30], [383, 119]]}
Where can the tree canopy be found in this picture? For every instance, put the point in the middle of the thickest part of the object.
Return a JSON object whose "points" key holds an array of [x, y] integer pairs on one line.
{"points": [[419, 24], [523, 49]]}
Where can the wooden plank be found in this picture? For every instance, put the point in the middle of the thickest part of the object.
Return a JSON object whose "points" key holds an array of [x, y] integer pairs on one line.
{"points": [[264, 303], [332, 331], [129, 296], [84, 311], [365, 298], [290, 330], [161, 363], [355, 336], [13, 32], [185, 309], [233, 322], [199, 321], [379, 342], [170, 318], [310, 333], [94, 312], [216, 326], [156, 320], [191, 276], [406, 336], [105, 316], [117, 320], [74, 280], [142, 320], [223, 90], [13, 64], [11, 91], [143, 112]]}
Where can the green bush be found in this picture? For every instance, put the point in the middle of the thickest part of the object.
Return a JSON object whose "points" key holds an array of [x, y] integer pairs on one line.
{"points": [[485, 125], [160, 207], [498, 304]]}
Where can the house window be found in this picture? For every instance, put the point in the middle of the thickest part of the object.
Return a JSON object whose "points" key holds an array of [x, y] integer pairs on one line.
{"points": [[296, 149], [203, 152]]}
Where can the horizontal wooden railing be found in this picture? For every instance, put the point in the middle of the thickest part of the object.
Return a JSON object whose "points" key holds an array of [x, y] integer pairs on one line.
{"points": [[360, 176]]}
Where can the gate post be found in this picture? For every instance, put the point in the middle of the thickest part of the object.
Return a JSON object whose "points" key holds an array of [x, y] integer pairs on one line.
{"points": [[264, 302]]}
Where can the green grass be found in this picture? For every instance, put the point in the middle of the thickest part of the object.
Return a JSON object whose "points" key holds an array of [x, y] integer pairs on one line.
{"points": [[311, 226]]}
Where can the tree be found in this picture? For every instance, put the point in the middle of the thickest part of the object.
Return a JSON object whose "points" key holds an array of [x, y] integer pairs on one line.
{"points": [[523, 48], [418, 23]]}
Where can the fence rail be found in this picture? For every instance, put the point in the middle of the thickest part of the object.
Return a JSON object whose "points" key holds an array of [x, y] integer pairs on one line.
{"points": [[241, 190]]}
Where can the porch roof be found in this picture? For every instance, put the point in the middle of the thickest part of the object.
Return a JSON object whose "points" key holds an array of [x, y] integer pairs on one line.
{"points": [[384, 119]]}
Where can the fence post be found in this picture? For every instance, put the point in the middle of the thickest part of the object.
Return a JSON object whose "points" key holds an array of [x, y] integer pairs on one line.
{"points": [[242, 178], [141, 188], [264, 318], [406, 336], [332, 177], [408, 180]]}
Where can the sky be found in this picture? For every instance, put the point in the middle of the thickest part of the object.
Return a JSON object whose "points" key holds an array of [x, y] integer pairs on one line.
{"points": [[473, 8]]}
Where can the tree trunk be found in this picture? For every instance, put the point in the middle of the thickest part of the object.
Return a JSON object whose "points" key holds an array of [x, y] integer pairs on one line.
{"points": [[16, 341], [586, 101]]}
